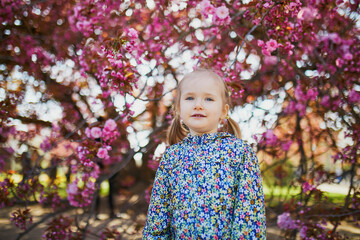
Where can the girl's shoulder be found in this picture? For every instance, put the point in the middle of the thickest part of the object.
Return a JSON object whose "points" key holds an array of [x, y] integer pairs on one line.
{"points": [[231, 140], [235, 144]]}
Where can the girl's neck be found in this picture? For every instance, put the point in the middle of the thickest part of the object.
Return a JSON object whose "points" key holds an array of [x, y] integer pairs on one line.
{"points": [[192, 133]]}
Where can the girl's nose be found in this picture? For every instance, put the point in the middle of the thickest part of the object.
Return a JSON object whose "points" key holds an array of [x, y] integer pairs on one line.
{"points": [[198, 104]]}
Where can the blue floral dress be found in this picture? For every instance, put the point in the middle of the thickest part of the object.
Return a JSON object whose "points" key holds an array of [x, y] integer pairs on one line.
{"points": [[207, 187]]}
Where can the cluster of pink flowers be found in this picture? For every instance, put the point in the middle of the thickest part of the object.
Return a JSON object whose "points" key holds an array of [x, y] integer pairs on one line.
{"points": [[49, 142], [50, 197], [8, 9], [270, 140], [24, 190], [268, 47], [119, 75], [21, 218], [303, 231], [282, 24], [307, 187], [301, 99], [80, 191], [307, 14], [314, 231], [354, 96], [89, 16], [103, 152], [350, 153], [46, 145], [28, 47], [108, 134], [85, 158], [285, 222], [220, 15], [81, 196], [59, 228], [5, 197], [333, 103]]}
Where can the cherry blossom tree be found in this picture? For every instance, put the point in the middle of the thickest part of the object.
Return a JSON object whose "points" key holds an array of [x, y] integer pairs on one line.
{"points": [[80, 80]]}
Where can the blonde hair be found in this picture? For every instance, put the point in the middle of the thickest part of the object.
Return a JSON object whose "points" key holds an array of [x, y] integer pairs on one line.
{"points": [[178, 131]]}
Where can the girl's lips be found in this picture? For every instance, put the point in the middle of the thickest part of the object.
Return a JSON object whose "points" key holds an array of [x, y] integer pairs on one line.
{"points": [[197, 115]]}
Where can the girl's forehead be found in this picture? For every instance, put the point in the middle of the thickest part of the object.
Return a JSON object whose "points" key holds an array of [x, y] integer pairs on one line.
{"points": [[200, 81]]}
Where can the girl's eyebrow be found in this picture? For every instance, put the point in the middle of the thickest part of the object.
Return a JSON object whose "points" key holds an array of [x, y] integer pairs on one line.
{"points": [[192, 93]]}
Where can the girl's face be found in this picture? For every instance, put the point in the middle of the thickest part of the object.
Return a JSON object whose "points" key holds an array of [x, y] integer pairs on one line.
{"points": [[201, 104]]}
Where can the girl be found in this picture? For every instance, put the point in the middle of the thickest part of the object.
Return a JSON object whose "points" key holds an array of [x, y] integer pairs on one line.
{"points": [[208, 183]]}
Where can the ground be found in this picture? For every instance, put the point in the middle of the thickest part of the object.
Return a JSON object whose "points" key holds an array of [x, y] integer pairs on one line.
{"points": [[130, 222]]}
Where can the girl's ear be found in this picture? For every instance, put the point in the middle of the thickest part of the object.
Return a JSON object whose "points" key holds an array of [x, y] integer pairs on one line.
{"points": [[225, 111]]}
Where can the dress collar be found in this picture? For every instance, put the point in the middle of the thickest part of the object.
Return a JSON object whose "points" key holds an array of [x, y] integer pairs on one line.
{"points": [[205, 138]]}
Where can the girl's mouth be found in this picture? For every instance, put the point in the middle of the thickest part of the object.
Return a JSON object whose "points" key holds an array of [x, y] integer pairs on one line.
{"points": [[197, 115]]}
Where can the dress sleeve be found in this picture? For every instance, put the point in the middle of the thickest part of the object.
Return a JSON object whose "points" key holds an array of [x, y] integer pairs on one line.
{"points": [[249, 212], [158, 218]]}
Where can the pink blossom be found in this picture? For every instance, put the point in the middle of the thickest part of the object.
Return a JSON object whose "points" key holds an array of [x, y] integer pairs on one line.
{"points": [[21, 218], [89, 185], [286, 146], [81, 197], [256, 21], [271, 45], [266, 5], [270, 138], [260, 43], [88, 132], [110, 125], [307, 14], [292, 6], [348, 56], [312, 93], [222, 12], [301, 108], [10, 150], [270, 60], [266, 52], [157, 27], [303, 231], [325, 101], [133, 33], [299, 95], [103, 153], [306, 186], [285, 222], [339, 62], [333, 37], [72, 188], [354, 96], [96, 132], [46, 145], [206, 8], [205, 4], [95, 171]]}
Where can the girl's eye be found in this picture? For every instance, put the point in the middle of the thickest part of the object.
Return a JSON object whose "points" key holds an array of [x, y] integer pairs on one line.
{"points": [[209, 99], [189, 98]]}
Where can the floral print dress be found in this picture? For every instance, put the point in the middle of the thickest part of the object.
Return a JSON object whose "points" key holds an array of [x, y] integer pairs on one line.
{"points": [[207, 187]]}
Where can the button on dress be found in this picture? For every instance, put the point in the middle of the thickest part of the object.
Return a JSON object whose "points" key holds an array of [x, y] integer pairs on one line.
{"points": [[207, 187]]}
